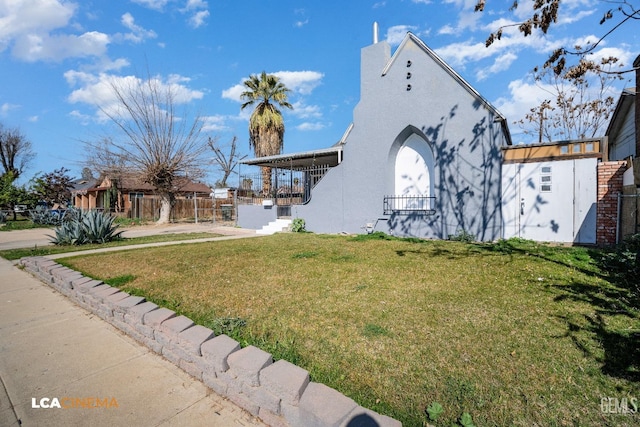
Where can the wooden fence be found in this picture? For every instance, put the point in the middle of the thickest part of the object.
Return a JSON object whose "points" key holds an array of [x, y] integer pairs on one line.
{"points": [[190, 210]]}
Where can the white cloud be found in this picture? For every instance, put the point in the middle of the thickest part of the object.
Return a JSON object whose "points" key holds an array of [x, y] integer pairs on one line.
{"points": [[198, 11], [234, 92], [198, 19], [502, 62], [524, 95], [459, 54], [396, 33], [447, 29], [308, 126], [300, 24], [137, 34], [214, 123], [82, 118], [302, 82], [34, 47], [196, 4], [421, 1], [33, 28], [22, 18], [6, 107], [97, 89], [305, 111], [152, 4]]}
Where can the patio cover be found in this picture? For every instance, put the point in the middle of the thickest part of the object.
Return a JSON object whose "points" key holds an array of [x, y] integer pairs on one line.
{"points": [[331, 156]]}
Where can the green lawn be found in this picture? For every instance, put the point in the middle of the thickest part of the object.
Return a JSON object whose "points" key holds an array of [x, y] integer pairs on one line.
{"points": [[13, 254], [514, 333]]}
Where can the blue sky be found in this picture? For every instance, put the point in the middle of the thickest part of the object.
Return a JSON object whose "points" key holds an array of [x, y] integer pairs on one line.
{"points": [[57, 55]]}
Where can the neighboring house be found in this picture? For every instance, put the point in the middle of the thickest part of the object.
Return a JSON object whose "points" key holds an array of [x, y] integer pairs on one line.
{"points": [[622, 127], [422, 157], [624, 145], [125, 195]]}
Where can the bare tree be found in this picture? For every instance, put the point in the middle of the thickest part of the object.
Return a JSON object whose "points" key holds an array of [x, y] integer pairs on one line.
{"points": [[156, 144], [15, 151], [227, 163], [545, 14], [580, 103]]}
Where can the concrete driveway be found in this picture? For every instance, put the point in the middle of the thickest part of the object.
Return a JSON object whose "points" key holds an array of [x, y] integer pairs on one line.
{"points": [[40, 236]]}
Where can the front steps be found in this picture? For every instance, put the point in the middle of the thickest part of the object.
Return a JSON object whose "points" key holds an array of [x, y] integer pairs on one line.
{"points": [[280, 224]]}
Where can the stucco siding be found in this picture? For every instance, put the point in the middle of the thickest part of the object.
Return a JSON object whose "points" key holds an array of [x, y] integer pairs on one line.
{"points": [[255, 216], [460, 130]]}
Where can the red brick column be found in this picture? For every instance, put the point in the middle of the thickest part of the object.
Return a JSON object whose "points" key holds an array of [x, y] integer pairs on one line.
{"points": [[609, 185]]}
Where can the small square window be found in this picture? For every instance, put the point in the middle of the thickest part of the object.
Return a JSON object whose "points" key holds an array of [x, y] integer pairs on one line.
{"points": [[545, 178], [545, 188], [545, 169], [564, 149], [576, 148], [589, 147]]}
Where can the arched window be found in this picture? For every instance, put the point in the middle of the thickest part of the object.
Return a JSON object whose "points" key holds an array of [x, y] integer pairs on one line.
{"points": [[413, 173]]}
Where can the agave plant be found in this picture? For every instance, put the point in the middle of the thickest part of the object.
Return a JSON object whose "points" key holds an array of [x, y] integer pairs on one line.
{"points": [[98, 227], [44, 216], [69, 233], [86, 227]]}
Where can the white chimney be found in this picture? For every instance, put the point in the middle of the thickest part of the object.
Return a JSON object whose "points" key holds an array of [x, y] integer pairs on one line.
{"points": [[375, 32]]}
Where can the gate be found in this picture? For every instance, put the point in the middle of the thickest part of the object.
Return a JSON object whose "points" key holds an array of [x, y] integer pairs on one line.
{"points": [[628, 205]]}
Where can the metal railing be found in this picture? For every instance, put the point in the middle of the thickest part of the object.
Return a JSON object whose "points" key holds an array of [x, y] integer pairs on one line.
{"points": [[407, 205], [288, 186]]}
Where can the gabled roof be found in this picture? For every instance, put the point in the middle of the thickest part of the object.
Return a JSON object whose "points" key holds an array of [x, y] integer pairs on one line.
{"points": [[412, 37], [83, 184], [130, 184], [626, 100]]}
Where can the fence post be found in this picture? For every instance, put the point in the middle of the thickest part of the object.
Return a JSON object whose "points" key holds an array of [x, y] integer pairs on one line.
{"points": [[618, 209], [235, 206], [195, 205]]}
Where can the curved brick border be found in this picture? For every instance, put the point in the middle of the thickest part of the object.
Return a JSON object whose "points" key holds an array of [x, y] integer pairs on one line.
{"points": [[279, 393]]}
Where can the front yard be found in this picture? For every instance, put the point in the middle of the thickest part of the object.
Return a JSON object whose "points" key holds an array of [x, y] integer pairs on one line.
{"points": [[513, 333]]}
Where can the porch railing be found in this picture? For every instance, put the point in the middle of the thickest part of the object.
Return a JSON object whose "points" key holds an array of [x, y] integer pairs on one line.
{"points": [[289, 186], [407, 205]]}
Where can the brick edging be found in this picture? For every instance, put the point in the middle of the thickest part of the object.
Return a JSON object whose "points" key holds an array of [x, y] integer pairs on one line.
{"points": [[280, 394]]}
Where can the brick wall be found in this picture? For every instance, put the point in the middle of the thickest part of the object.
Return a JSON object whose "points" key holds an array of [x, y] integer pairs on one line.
{"points": [[279, 393], [609, 185]]}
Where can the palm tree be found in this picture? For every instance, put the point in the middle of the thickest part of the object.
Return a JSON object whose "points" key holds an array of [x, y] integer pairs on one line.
{"points": [[266, 126]]}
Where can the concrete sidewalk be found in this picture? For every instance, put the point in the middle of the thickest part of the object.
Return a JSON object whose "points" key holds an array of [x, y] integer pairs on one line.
{"points": [[51, 348], [37, 237]]}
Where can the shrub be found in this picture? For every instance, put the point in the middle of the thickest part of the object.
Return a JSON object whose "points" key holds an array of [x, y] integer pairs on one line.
{"points": [[462, 236], [624, 264], [42, 215], [86, 227], [298, 225], [3, 217]]}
